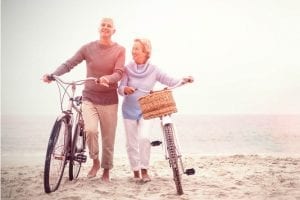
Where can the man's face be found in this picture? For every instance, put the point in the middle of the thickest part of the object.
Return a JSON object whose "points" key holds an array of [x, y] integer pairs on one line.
{"points": [[106, 28]]}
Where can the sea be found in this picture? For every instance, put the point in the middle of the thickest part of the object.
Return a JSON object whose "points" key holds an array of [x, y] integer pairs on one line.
{"points": [[24, 138]]}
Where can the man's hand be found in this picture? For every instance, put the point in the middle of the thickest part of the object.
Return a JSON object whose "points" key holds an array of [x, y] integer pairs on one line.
{"points": [[46, 79], [104, 81]]}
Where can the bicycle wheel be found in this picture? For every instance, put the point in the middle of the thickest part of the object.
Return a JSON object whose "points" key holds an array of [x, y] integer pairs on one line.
{"points": [[173, 157], [77, 152], [56, 156]]}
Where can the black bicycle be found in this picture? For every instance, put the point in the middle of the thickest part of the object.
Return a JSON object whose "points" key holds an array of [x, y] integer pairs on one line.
{"points": [[67, 139]]}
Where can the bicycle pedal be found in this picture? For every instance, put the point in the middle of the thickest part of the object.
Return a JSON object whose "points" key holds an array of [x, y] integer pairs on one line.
{"points": [[81, 158], [190, 171], [156, 143]]}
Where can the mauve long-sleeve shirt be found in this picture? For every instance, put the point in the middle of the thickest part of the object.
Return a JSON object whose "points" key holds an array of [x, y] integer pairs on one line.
{"points": [[101, 60], [143, 77]]}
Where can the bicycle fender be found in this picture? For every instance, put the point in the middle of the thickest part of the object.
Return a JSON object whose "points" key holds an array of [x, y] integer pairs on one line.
{"points": [[166, 120]]}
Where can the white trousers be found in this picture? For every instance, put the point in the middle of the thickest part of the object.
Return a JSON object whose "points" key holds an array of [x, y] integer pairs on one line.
{"points": [[138, 142]]}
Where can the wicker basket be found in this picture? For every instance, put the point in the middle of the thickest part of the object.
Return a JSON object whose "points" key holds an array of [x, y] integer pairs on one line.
{"points": [[158, 103]]}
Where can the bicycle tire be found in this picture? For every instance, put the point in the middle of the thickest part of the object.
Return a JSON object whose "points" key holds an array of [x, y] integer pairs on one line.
{"points": [[173, 157], [77, 149], [57, 151]]}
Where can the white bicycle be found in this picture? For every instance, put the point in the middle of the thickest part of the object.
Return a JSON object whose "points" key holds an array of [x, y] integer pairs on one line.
{"points": [[161, 104]]}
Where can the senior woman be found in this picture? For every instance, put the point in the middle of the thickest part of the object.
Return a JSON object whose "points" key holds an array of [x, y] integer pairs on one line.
{"points": [[140, 73]]}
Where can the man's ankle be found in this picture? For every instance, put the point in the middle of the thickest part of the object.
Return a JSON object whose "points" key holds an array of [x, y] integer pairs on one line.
{"points": [[106, 172], [105, 175], [96, 162]]}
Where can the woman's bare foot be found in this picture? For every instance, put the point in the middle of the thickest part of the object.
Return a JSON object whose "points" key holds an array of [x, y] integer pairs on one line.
{"points": [[96, 166], [136, 174], [145, 176], [105, 175]]}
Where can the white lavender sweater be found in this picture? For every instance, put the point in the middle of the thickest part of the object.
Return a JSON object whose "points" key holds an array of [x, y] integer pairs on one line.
{"points": [[144, 77]]}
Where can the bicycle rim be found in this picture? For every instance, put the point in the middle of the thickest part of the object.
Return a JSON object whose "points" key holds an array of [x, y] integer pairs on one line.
{"points": [[75, 164], [173, 157], [56, 156]]}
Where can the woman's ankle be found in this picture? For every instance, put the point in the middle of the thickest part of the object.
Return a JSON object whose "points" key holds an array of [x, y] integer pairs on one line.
{"points": [[136, 174]]}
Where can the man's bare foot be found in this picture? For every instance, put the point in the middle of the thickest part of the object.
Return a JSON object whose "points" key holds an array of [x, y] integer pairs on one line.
{"points": [[145, 176], [105, 175], [136, 174], [96, 166]]}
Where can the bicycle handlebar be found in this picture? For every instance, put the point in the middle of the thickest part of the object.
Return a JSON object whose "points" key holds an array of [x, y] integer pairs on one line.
{"points": [[179, 84], [78, 82], [65, 85]]}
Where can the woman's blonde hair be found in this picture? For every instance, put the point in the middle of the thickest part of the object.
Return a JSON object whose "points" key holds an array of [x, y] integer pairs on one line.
{"points": [[146, 45]]}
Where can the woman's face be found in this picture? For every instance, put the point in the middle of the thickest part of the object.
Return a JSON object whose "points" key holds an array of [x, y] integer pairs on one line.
{"points": [[138, 54]]}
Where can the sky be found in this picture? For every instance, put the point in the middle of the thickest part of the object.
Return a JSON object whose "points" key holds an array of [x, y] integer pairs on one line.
{"points": [[243, 54]]}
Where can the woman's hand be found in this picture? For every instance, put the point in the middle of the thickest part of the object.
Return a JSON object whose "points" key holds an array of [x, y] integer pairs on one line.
{"points": [[128, 90], [188, 79]]}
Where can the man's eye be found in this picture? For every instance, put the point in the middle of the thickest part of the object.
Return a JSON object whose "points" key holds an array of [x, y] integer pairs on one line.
{"points": [[106, 25]]}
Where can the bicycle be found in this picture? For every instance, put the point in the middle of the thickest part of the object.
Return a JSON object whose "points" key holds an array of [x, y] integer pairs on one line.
{"points": [[67, 139], [161, 104]]}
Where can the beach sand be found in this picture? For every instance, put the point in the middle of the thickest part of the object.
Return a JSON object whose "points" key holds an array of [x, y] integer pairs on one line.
{"points": [[217, 177]]}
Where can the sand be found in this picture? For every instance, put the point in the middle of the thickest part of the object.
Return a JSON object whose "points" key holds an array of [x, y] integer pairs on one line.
{"points": [[217, 177]]}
